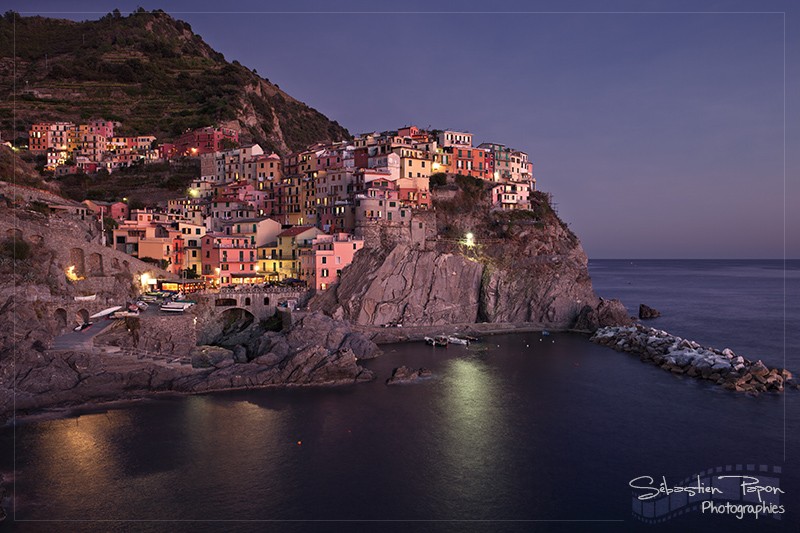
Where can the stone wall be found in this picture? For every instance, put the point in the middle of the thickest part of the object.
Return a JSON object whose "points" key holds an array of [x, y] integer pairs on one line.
{"points": [[418, 232]]}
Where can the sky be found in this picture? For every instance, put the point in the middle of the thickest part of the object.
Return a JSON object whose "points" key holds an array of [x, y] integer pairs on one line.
{"points": [[657, 126]]}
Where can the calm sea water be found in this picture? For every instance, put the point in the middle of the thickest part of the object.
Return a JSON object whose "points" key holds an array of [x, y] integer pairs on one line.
{"points": [[518, 433]]}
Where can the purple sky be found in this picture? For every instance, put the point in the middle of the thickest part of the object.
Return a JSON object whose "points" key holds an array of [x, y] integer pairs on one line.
{"points": [[660, 135]]}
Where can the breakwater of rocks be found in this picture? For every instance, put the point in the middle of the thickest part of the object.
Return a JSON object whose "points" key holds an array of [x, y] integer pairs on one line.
{"points": [[681, 356]]}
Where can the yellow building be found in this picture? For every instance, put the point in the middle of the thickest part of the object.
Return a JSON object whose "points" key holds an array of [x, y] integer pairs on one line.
{"points": [[192, 235], [414, 163], [280, 260]]}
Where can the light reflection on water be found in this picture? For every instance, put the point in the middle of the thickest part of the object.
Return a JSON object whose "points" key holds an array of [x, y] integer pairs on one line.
{"points": [[531, 427]]}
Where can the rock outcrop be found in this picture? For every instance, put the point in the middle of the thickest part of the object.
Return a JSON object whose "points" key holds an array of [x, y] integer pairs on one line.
{"points": [[403, 375], [316, 351], [646, 312], [523, 267], [681, 356]]}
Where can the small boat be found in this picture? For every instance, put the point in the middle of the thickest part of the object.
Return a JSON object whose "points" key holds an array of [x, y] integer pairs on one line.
{"points": [[81, 327], [106, 312], [90, 298], [142, 305], [439, 340], [175, 307], [125, 314], [457, 340]]}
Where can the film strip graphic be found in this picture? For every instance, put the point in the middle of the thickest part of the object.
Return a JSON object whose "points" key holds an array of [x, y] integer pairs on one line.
{"points": [[723, 485]]}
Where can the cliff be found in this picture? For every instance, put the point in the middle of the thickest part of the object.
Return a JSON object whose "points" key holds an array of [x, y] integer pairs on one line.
{"points": [[149, 71], [521, 266]]}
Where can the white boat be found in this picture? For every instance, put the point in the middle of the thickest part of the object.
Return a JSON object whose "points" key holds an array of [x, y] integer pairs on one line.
{"points": [[124, 314], [457, 340], [106, 312], [90, 298], [175, 307]]}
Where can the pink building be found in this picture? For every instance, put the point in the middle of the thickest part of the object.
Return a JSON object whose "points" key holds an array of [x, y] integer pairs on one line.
{"points": [[116, 210], [229, 260], [509, 196], [322, 263]]}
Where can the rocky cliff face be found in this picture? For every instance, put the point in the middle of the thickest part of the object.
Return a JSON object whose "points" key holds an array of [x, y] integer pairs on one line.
{"points": [[523, 267]]}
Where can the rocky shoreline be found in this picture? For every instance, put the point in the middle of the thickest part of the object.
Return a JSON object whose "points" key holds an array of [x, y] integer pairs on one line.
{"points": [[404, 375], [680, 356]]}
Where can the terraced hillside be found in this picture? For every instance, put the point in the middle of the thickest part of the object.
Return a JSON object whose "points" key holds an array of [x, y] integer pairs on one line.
{"points": [[148, 71]]}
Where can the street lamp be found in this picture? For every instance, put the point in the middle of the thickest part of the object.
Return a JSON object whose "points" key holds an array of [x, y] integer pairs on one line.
{"points": [[469, 240]]}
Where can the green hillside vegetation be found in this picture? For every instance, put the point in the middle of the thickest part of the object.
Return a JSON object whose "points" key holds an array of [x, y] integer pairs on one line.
{"points": [[148, 71]]}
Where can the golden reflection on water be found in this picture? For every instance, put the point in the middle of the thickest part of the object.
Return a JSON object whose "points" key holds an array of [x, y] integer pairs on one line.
{"points": [[75, 454]]}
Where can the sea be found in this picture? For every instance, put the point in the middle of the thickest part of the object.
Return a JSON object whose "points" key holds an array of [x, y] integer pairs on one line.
{"points": [[523, 432]]}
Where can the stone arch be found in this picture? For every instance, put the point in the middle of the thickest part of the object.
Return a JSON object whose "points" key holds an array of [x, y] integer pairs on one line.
{"points": [[82, 316], [76, 260], [95, 264], [14, 233], [236, 319], [37, 239], [60, 317]]}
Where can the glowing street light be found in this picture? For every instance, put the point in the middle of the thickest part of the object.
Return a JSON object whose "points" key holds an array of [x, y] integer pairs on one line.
{"points": [[146, 280], [469, 240]]}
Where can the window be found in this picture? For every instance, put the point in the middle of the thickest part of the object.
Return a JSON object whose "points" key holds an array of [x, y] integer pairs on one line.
{"points": [[324, 260], [266, 300], [324, 272]]}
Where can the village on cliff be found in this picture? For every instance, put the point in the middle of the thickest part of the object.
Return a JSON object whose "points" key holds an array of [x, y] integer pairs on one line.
{"points": [[257, 218]]}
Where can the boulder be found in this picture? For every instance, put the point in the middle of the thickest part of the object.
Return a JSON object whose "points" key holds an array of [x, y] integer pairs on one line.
{"points": [[612, 313], [268, 359], [239, 354], [210, 357], [647, 312], [759, 369], [587, 319], [404, 374], [363, 347]]}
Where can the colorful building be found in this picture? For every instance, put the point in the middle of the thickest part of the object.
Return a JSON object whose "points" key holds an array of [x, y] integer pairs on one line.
{"points": [[280, 260], [321, 264], [229, 260]]}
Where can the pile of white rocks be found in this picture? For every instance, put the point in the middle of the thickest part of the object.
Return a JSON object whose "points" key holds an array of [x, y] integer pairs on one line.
{"points": [[682, 356]]}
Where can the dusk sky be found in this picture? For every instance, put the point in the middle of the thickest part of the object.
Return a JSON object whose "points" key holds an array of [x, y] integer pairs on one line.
{"points": [[660, 135]]}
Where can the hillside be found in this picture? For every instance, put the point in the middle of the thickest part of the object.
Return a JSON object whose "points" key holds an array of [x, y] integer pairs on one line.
{"points": [[148, 71]]}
